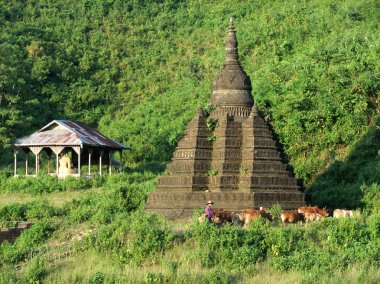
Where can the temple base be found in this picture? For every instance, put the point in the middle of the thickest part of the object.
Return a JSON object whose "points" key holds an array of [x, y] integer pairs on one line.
{"points": [[177, 205]]}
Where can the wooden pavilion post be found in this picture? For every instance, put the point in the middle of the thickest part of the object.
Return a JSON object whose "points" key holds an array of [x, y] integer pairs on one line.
{"points": [[79, 165], [101, 152], [48, 165], [26, 163], [36, 151], [89, 161], [57, 163], [121, 160], [57, 150], [110, 162], [36, 164], [15, 162]]}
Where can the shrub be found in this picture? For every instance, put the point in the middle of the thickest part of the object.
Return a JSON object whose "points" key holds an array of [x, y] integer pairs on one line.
{"points": [[148, 236], [151, 278], [122, 193], [283, 241], [275, 211], [216, 276], [45, 183], [14, 212], [7, 274], [40, 209], [371, 197], [27, 242], [36, 271], [30, 211], [230, 246], [134, 237], [97, 278], [373, 226], [326, 245]]}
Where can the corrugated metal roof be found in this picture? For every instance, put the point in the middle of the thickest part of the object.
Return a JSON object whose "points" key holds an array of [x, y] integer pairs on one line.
{"points": [[70, 133]]}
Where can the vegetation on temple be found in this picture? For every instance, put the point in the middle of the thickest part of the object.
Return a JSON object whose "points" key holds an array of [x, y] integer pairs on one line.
{"points": [[138, 71]]}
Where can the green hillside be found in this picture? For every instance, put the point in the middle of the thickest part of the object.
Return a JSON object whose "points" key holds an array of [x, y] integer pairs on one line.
{"points": [[138, 71]]}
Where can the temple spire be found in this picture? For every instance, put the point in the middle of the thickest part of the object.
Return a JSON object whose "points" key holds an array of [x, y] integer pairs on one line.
{"points": [[232, 86], [231, 44]]}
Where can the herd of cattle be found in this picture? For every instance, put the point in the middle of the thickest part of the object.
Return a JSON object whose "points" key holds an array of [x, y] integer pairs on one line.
{"points": [[302, 214]]}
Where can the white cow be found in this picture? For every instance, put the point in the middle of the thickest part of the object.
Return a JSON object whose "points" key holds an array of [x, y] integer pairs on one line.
{"points": [[342, 213]]}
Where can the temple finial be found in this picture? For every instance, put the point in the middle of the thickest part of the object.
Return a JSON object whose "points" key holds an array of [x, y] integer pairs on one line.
{"points": [[231, 43], [231, 23]]}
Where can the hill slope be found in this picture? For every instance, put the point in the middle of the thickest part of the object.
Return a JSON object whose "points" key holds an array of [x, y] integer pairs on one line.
{"points": [[139, 70]]}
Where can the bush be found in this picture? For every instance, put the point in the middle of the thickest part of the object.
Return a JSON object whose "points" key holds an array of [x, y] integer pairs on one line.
{"points": [[151, 278], [148, 236], [230, 246], [30, 211], [122, 193], [216, 276], [283, 241], [97, 278], [275, 211], [14, 212], [46, 183], [136, 238], [371, 197], [36, 271], [27, 242], [325, 246]]}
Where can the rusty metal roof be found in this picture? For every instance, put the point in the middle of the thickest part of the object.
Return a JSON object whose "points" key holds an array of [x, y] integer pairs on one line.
{"points": [[68, 133]]}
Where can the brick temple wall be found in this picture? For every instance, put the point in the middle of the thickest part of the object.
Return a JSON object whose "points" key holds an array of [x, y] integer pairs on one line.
{"points": [[11, 234]]}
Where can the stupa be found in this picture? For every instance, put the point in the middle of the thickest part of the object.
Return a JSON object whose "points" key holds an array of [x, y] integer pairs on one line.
{"points": [[229, 155]]}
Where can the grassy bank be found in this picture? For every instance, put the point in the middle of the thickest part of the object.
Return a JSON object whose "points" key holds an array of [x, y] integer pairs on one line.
{"points": [[102, 235]]}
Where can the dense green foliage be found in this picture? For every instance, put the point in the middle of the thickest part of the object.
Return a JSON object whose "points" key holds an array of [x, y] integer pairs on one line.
{"points": [[139, 70], [355, 181], [118, 227], [47, 183], [27, 243]]}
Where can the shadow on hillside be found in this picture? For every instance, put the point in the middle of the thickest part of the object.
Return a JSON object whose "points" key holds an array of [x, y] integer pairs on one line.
{"points": [[340, 185]]}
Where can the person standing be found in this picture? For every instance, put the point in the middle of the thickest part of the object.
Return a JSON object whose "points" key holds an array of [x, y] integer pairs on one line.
{"points": [[208, 210]]}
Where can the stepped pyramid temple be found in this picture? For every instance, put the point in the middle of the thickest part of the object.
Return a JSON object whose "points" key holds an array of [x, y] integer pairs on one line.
{"points": [[228, 155]]}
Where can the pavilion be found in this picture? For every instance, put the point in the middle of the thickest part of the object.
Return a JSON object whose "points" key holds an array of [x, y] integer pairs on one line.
{"points": [[74, 144]]}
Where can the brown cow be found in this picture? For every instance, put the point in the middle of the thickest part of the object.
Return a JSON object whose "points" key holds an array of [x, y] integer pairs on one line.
{"points": [[224, 215], [291, 217], [265, 214], [202, 218], [313, 209], [251, 214], [238, 219], [311, 217], [216, 220]]}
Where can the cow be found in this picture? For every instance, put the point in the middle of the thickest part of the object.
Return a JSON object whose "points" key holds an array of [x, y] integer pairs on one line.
{"points": [[251, 214], [311, 217], [342, 213], [216, 220], [265, 214], [224, 215], [238, 219], [313, 209], [202, 218], [291, 217]]}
